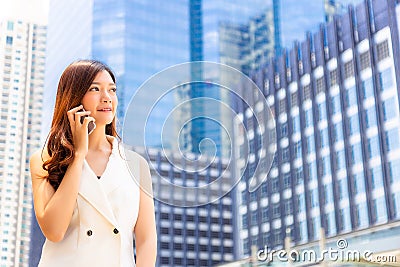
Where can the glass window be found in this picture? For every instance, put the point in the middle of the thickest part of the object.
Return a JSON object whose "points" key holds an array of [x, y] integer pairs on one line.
{"points": [[396, 204], [333, 77], [309, 117], [301, 204], [340, 160], [254, 217], [328, 195], [392, 139], [351, 96], [373, 147], [338, 132], [386, 79], [282, 106], [361, 215], [314, 198], [284, 129], [383, 50], [285, 154], [368, 88], [264, 214], [348, 69], [358, 183], [297, 149], [379, 209], [9, 40], [326, 166], [370, 115], [365, 61], [376, 177], [293, 99], [244, 221], [306, 92], [286, 180], [320, 84], [335, 101], [394, 171], [324, 137], [276, 211], [342, 188], [299, 175], [356, 153], [312, 171], [310, 144], [321, 111], [10, 25], [390, 109], [354, 124], [296, 124]]}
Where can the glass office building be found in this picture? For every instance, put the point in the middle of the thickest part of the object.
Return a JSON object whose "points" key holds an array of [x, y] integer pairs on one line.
{"points": [[335, 97]]}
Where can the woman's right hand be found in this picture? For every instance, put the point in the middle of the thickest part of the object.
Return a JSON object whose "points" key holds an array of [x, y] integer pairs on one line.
{"points": [[79, 130]]}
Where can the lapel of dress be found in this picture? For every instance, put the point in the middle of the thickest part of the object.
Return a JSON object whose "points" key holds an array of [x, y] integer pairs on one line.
{"points": [[94, 193]]}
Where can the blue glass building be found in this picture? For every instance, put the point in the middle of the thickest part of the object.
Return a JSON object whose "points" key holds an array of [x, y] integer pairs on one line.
{"points": [[335, 97]]}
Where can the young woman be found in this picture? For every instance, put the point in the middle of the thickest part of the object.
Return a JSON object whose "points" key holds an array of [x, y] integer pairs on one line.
{"points": [[89, 204]]}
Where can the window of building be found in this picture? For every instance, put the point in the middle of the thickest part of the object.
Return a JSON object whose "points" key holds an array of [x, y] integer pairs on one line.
{"points": [[368, 88], [358, 183], [286, 180], [282, 106], [340, 160], [342, 188], [324, 137], [293, 99], [390, 109], [309, 117], [306, 92], [312, 171], [253, 218], [370, 117], [348, 69], [386, 79], [326, 166], [392, 139], [379, 209], [310, 144], [10, 25], [299, 175], [365, 61], [296, 124], [335, 102], [356, 153], [244, 221], [285, 154], [376, 177], [351, 96], [394, 170], [354, 124], [361, 215], [9, 40], [373, 147], [301, 205], [264, 214], [288, 207], [322, 111], [297, 149], [276, 212], [333, 77], [320, 83], [284, 129], [274, 184], [383, 50]]}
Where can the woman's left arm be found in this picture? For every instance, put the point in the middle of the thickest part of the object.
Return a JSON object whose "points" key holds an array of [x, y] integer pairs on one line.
{"points": [[145, 229]]}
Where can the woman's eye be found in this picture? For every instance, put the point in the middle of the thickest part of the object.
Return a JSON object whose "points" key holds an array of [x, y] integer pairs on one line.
{"points": [[94, 89], [113, 89]]}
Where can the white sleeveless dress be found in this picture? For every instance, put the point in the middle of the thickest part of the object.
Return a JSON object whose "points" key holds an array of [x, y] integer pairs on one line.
{"points": [[101, 229]]}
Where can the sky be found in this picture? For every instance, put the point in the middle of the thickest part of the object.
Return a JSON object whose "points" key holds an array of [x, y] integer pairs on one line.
{"points": [[28, 10]]}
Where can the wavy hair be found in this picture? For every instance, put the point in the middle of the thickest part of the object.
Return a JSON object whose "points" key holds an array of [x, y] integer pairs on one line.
{"points": [[74, 83]]}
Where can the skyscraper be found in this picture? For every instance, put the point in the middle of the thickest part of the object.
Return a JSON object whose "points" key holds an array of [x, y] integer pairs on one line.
{"points": [[22, 52], [335, 97]]}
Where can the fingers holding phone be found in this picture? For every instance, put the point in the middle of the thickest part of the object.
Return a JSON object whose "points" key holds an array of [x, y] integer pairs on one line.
{"points": [[80, 120]]}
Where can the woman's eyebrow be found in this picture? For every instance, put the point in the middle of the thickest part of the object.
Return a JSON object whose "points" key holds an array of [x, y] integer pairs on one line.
{"points": [[100, 83]]}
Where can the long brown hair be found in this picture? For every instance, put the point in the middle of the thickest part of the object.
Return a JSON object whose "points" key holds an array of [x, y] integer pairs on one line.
{"points": [[74, 83]]}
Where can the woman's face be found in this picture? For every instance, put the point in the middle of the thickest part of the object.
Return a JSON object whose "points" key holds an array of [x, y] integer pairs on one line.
{"points": [[101, 99]]}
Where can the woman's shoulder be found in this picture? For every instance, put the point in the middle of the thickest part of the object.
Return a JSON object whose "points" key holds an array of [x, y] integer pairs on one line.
{"points": [[36, 161]]}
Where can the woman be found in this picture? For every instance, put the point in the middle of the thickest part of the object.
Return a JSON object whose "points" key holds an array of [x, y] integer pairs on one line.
{"points": [[87, 202]]}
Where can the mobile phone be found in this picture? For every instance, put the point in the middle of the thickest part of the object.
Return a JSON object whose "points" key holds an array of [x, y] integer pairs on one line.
{"points": [[91, 125]]}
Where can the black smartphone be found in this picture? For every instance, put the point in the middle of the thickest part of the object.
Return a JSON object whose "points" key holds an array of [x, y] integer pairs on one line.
{"points": [[91, 125]]}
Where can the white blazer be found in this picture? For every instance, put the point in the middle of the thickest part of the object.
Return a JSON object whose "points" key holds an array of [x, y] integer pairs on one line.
{"points": [[101, 229]]}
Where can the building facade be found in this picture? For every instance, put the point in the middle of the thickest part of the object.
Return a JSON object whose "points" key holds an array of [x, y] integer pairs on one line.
{"points": [[335, 97], [22, 66]]}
